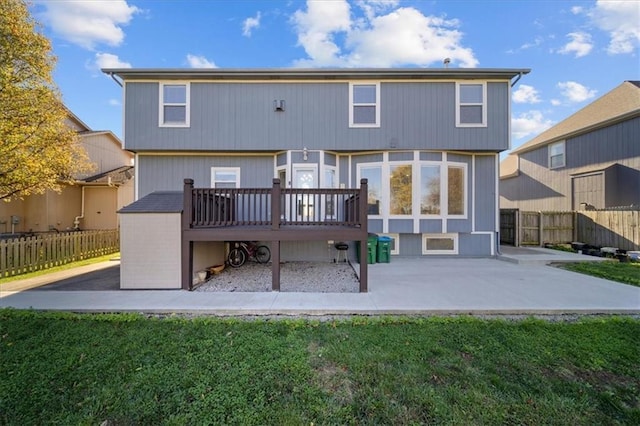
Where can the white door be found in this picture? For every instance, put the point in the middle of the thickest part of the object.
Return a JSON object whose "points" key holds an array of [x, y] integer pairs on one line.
{"points": [[305, 176]]}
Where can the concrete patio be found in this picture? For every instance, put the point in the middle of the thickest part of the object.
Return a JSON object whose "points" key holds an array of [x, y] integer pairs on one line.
{"points": [[405, 286]]}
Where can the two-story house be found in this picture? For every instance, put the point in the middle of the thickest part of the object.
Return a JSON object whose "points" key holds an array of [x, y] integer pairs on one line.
{"points": [[590, 160], [427, 141], [91, 202]]}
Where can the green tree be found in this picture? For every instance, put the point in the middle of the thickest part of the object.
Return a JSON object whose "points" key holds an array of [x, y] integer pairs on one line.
{"points": [[38, 151]]}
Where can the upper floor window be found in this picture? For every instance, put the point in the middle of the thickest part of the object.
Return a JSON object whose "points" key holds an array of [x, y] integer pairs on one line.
{"points": [[471, 104], [225, 177], [556, 155], [174, 105], [364, 104]]}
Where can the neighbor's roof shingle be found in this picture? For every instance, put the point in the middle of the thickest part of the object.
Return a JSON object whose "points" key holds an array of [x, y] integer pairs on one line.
{"points": [[620, 103]]}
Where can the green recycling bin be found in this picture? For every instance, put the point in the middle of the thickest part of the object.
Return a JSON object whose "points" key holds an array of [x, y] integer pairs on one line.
{"points": [[383, 251], [372, 243]]}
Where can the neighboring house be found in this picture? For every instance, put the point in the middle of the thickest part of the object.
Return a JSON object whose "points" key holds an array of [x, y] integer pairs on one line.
{"points": [[591, 160], [426, 140], [91, 203]]}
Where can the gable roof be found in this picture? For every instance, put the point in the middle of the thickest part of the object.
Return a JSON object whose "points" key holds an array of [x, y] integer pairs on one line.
{"points": [[619, 104]]}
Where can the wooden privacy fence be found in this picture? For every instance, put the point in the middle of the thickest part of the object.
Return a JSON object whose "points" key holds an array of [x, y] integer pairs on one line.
{"points": [[619, 229], [615, 228], [42, 251]]}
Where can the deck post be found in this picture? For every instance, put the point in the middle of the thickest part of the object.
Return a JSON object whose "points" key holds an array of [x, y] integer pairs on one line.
{"points": [[187, 246], [363, 219], [275, 225], [275, 265], [275, 204]]}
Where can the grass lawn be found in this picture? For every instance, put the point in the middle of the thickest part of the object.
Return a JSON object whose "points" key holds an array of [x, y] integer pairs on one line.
{"points": [[127, 369], [628, 273]]}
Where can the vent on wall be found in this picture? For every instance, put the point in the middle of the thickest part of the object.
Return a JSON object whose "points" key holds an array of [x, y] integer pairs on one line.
{"points": [[278, 105]]}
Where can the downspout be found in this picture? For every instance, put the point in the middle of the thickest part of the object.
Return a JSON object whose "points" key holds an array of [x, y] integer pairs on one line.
{"points": [[118, 82], [76, 221], [512, 84]]}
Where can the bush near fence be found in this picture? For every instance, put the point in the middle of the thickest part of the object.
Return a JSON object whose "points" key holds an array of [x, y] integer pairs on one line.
{"points": [[610, 228], [43, 251]]}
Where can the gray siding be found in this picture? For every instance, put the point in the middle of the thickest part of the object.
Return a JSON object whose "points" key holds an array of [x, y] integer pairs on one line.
{"points": [[539, 188], [240, 117], [162, 173], [474, 245], [485, 193]]}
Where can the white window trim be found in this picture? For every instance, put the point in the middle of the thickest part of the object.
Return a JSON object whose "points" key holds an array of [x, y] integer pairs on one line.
{"points": [[425, 237], [395, 236], [445, 182], [235, 170], [384, 203], [376, 104], [564, 154], [483, 104], [161, 104]]}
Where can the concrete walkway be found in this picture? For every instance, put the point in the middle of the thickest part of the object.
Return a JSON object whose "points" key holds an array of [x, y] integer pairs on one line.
{"points": [[404, 286]]}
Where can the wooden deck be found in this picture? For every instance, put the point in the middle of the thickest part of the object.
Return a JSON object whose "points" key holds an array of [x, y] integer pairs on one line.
{"points": [[250, 214]]}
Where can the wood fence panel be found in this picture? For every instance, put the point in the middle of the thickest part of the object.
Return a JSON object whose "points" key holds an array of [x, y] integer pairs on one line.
{"points": [[557, 227], [610, 228], [530, 228], [28, 254]]}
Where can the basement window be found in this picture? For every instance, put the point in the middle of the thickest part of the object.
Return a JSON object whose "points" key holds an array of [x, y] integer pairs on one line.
{"points": [[439, 244]]}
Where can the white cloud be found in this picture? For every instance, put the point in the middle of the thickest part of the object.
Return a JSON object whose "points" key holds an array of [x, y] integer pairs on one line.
{"points": [[108, 60], [576, 10], [402, 36], [88, 23], [373, 7], [575, 92], [529, 123], [316, 27], [526, 95], [620, 19], [199, 62], [580, 44], [556, 102], [249, 24], [114, 102]]}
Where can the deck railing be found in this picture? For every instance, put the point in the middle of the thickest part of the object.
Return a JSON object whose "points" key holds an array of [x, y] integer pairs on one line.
{"points": [[222, 207]]}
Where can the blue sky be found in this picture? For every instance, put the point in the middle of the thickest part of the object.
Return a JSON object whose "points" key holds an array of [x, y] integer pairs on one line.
{"points": [[577, 50]]}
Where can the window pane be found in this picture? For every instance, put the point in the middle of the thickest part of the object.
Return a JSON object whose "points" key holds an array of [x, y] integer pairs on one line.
{"points": [[471, 93], [364, 94], [175, 94], [225, 176], [471, 114], [374, 175], [225, 185], [557, 161], [430, 190], [401, 189], [175, 114], [556, 149], [329, 178], [364, 114], [455, 190], [440, 244]]}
